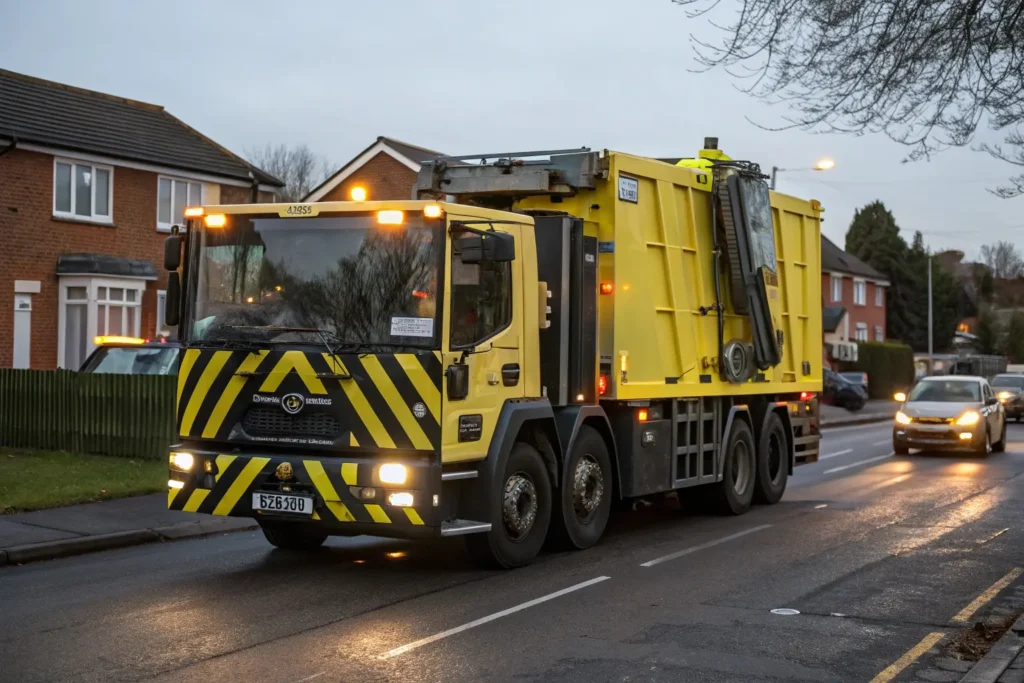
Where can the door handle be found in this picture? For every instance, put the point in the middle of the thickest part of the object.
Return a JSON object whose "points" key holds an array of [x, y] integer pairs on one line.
{"points": [[510, 374]]}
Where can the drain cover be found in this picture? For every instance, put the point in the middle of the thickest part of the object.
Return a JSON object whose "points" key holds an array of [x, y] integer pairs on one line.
{"points": [[785, 612]]}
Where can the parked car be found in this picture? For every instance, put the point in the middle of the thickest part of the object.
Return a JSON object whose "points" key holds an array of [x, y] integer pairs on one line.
{"points": [[858, 378], [133, 356], [950, 413], [841, 392], [1009, 390]]}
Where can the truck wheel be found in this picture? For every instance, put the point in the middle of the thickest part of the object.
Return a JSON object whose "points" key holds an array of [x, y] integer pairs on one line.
{"points": [[522, 499], [292, 536], [586, 494], [772, 462], [739, 471]]}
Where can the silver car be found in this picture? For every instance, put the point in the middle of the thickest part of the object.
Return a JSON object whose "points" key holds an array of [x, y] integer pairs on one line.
{"points": [[947, 413]]}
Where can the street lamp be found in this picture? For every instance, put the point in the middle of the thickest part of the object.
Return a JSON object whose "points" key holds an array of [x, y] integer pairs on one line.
{"points": [[822, 164]]}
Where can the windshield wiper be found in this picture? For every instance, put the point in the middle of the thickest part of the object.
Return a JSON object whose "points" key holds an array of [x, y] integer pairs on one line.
{"points": [[308, 330]]}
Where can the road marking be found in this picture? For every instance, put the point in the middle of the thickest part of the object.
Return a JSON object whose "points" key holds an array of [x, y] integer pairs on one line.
{"points": [[908, 658], [964, 615], [857, 464], [497, 615], [310, 678], [836, 454], [702, 546], [883, 442]]}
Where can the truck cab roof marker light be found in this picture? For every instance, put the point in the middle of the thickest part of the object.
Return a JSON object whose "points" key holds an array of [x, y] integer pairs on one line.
{"points": [[194, 211], [216, 220]]}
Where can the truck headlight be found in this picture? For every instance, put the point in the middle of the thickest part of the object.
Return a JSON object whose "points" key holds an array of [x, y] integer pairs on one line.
{"points": [[901, 418], [182, 461], [392, 473], [971, 417]]}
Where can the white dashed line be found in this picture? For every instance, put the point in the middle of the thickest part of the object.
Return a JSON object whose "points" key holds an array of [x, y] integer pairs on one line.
{"points": [[836, 454], [483, 620], [703, 546], [857, 464], [883, 442]]}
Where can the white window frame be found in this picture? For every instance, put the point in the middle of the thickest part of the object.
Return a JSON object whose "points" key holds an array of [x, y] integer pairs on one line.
{"points": [[92, 285], [861, 332], [860, 292], [837, 282], [93, 217], [879, 333], [879, 296], [166, 227]]}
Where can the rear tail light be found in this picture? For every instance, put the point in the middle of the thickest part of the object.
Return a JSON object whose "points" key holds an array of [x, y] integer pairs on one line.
{"points": [[806, 396], [602, 385]]}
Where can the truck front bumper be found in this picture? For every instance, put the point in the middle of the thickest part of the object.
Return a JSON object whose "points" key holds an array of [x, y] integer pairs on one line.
{"points": [[349, 499]]}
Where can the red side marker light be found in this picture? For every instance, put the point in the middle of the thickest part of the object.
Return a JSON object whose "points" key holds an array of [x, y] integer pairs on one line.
{"points": [[806, 396], [420, 295], [642, 414], [607, 287]]}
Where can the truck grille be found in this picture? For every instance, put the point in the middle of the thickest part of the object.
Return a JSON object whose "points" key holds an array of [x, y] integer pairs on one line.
{"points": [[272, 421]]}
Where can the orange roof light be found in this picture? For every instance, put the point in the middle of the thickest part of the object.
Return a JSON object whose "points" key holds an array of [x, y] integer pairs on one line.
{"points": [[390, 217], [194, 211], [113, 339], [431, 211], [358, 194], [216, 220]]}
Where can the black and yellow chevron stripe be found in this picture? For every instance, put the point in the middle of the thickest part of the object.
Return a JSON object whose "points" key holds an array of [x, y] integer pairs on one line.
{"points": [[238, 476], [377, 407]]}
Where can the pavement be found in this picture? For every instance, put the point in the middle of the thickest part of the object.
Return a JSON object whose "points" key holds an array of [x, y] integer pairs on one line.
{"points": [[873, 411], [76, 529], [878, 555]]}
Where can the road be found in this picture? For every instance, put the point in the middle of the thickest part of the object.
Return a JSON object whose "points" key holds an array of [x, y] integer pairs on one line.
{"points": [[876, 552]]}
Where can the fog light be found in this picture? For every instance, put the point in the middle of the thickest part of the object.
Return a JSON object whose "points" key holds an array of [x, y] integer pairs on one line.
{"points": [[965, 436], [368, 493], [175, 484], [401, 500], [182, 461], [392, 473], [208, 466]]}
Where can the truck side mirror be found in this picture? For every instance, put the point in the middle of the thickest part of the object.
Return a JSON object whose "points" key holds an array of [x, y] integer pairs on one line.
{"points": [[458, 381], [172, 252], [496, 247], [172, 305]]}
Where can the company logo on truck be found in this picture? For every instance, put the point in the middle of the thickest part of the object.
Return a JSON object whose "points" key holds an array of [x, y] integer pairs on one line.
{"points": [[291, 403]]}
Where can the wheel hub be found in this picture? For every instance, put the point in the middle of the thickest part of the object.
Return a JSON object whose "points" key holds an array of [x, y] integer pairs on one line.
{"points": [[588, 488], [519, 506]]}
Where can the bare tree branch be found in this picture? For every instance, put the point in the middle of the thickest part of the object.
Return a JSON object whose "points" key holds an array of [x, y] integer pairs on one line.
{"points": [[926, 73], [298, 167]]}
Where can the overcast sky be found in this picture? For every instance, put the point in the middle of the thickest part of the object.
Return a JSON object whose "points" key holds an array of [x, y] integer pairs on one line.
{"points": [[466, 76]]}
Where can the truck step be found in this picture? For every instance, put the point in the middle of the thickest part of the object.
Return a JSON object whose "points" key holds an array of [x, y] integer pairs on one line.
{"points": [[460, 527]]}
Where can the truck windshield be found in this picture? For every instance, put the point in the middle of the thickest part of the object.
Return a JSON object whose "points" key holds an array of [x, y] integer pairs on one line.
{"points": [[349, 278]]}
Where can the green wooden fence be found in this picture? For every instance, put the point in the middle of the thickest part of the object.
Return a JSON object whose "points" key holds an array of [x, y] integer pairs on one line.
{"points": [[122, 415]]}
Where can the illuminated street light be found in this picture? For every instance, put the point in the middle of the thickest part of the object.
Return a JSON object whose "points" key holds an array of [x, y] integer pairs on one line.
{"points": [[822, 164]]}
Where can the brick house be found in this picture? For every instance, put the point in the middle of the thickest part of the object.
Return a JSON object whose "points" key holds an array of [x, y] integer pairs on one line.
{"points": [[386, 169], [90, 184], [856, 288]]}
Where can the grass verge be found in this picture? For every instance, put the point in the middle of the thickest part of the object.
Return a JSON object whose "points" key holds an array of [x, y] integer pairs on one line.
{"points": [[33, 480]]}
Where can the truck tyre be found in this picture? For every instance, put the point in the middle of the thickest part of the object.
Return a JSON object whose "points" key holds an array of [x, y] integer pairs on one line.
{"points": [[292, 536], [772, 462], [739, 471], [521, 507], [585, 499]]}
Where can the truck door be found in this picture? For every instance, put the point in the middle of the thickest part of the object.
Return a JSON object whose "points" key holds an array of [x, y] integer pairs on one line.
{"points": [[484, 314]]}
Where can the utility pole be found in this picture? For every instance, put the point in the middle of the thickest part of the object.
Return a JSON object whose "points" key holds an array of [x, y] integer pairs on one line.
{"points": [[930, 360], [775, 170]]}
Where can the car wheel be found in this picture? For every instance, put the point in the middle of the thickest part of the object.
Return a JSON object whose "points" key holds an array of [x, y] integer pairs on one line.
{"points": [[900, 449], [772, 462], [523, 512], [1000, 445], [986, 446], [585, 499]]}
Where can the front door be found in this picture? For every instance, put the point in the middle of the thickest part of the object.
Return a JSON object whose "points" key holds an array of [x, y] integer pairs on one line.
{"points": [[484, 314]]}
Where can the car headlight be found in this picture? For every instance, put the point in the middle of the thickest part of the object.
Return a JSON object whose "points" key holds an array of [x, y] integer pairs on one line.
{"points": [[1005, 395], [901, 418], [971, 417]]}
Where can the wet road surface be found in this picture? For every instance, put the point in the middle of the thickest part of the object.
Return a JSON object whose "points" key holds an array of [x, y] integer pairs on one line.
{"points": [[876, 552]]}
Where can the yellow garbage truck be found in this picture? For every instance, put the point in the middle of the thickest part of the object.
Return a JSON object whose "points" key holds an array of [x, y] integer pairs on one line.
{"points": [[532, 339]]}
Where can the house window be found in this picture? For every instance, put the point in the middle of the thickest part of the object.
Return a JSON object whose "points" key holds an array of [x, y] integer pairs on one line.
{"points": [[879, 296], [837, 288], [94, 306], [862, 332], [82, 191], [173, 195], [879, 333], [860, 292]]}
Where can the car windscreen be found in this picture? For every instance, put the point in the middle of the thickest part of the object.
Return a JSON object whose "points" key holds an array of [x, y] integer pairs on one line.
{"points": [[135, 361], [946, 391], [1009, 381]]}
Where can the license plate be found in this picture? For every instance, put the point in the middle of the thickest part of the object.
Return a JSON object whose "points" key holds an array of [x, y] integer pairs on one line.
{"points": [[283, 503]]}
